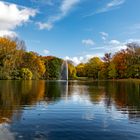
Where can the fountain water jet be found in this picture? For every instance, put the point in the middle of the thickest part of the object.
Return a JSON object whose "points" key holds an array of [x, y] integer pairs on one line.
{"points": [[64, 70]]}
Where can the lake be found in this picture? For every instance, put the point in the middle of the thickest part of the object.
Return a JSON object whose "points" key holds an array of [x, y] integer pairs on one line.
{"points": [[74, 110]]}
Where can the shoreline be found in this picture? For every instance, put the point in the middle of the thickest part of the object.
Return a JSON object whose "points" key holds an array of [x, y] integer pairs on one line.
{"points": [[119, 80], [79, 79]]}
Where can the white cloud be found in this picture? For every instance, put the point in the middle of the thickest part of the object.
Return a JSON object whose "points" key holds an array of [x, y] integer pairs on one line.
{"points": [[109, 6], [88, 42], [64, 9], [81, 59], [75, 60], [67, 5], [104, 35], [47, 26], [132, 40], [114, 3], [8, 33], [46, 51], [12, 16], [114, 46], [114, 42]]}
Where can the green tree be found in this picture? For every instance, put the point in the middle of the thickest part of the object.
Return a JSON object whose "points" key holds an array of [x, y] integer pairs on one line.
{"points": [[103, 73], [112, 71], [93, 67], [133, 60], [53, 67]]}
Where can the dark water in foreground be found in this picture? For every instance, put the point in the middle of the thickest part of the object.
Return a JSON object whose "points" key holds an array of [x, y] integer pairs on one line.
{"points": [[41, 110]]}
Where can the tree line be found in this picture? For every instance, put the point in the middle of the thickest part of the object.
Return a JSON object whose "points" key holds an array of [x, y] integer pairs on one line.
{"points": [[123, 64], [17, 63]]}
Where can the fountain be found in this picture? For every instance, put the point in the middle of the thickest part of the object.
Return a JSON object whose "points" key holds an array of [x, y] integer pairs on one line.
{"points": [[64, 70]]}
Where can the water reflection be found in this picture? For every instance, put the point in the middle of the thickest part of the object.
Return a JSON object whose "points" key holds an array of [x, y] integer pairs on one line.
{"points": [[125, 96], [15, 94], [60, 105], [56, 89]]}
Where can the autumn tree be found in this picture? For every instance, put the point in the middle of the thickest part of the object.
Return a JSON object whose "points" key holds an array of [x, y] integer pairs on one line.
{"points": [[120, 61], [71, 70], [34, 63], [10, 55], [80, 70], [105, 68]]}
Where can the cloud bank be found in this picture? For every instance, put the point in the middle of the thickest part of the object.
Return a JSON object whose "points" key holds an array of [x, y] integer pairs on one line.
{"points": [[12, 16]]}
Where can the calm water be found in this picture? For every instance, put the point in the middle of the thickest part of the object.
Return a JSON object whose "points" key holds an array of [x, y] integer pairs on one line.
{"points": [[75, 110]]}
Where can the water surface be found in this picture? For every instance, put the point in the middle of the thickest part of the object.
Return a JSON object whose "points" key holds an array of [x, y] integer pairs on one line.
{"points": [[74, 110]]}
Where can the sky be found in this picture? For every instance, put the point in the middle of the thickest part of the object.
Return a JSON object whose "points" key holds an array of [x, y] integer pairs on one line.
{"points": [[72, 29]]}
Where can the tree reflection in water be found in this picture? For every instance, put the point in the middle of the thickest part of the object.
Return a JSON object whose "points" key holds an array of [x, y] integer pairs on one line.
{"points": [[16, 97]]}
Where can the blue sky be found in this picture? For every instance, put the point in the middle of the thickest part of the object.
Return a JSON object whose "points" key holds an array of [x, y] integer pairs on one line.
{"points": [[72, 29]]}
